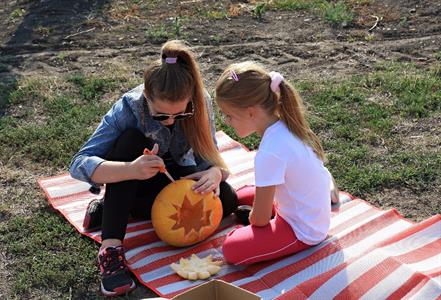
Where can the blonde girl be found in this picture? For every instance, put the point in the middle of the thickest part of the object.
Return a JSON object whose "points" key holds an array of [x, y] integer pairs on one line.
{"points": [[171, 115], [289, 171]]}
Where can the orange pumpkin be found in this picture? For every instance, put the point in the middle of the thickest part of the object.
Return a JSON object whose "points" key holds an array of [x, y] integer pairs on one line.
{"points": [[182, 217]]}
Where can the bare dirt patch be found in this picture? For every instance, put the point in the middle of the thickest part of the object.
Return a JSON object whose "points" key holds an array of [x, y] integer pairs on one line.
{"points": [[298, 43]]}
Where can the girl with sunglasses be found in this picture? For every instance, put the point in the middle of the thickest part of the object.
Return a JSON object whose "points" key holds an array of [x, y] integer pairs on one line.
{"points": [[170, 114]]}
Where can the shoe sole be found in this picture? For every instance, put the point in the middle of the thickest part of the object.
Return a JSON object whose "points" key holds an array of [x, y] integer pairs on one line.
{"points": [[117, 293]]}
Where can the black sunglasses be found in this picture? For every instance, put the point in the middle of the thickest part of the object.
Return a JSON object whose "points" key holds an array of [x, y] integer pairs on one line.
{"points": [[181, 116]]}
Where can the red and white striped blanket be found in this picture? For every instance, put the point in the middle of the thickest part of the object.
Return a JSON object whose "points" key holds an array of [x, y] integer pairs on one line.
{"points": [[369, 253]]}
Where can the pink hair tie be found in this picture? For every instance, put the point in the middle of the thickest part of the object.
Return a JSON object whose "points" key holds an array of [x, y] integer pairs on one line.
{"points": [[234, 75], [171, 60], [276, 79]]}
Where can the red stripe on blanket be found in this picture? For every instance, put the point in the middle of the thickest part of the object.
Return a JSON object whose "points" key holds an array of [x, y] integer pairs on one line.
{"points": [[173, 258], [417, 279], [278, 275], [373, 276], [309, 287], [348, 240], [145, 253], [257, 267], [356, 238]]}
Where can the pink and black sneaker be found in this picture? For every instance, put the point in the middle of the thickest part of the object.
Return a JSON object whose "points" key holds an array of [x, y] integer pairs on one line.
{"points": [[94, 214], [115, 277]]}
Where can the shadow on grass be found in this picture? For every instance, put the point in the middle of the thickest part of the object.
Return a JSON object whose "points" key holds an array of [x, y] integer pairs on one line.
{"points": [[45, 25], [49, 22]]}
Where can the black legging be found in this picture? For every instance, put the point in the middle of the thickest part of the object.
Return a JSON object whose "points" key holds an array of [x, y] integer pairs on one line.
{"points": [[135, 197]]}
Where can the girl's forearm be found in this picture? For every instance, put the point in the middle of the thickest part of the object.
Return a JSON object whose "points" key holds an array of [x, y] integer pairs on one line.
{"points": [[112, 171], [260, 217], [262, 206]]}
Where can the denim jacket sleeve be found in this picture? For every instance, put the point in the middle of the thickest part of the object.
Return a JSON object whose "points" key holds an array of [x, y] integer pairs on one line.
{"points": [[124, 115], [119, 118]]}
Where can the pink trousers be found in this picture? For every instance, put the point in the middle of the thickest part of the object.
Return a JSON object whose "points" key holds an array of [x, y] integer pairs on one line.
{"points": [[251, 244]]}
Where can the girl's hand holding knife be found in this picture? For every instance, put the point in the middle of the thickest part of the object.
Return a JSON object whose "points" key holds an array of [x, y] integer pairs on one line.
{"points": [[162, 169], [147, 165]]}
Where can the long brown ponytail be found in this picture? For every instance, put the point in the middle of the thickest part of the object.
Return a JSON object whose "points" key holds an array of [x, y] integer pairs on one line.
{"points": [[174, 82]]}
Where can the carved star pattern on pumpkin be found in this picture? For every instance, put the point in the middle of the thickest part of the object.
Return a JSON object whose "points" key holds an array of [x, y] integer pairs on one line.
{"points": [[191, 217]]}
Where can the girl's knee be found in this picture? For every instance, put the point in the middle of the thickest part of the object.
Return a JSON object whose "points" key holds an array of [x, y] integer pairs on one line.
{"points": [[128, 136], [246, 194], [231, 247], [228, 251], [129, 145]]}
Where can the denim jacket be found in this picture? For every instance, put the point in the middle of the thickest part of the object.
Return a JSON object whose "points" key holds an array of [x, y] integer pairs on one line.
{"points": [[127, 113]]}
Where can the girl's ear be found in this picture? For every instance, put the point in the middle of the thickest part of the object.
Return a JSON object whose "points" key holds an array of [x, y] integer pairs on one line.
{"points": [[251, 112]]}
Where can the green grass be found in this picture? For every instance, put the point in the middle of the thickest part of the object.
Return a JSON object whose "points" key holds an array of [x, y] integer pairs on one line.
{"points": [[358, 126], [5, 91], [56, 116], [213, 13], [296, 4], [355, 125], [52, 117], [45, 245], [158, 33], [91, 89], [417, 92], [17, 14], [260, 10], [62, 57], [337, 13], [163, 32], [355, 117]]}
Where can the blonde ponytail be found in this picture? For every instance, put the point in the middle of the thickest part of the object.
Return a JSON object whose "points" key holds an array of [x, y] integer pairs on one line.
{"points": [[292, 113]]}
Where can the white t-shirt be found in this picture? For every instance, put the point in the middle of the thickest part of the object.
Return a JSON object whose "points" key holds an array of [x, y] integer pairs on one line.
{"points": [[302, 195]]}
